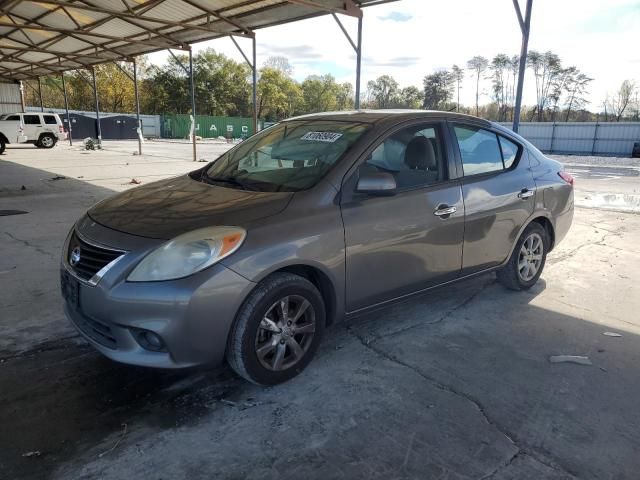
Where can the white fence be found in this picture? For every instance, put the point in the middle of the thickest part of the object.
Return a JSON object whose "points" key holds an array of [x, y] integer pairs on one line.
{"points": [[150, 123], [583, 138]]}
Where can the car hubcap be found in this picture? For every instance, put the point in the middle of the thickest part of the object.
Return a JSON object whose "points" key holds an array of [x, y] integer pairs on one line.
{"points": [[285, 333], [47, 141], [530, 257]]}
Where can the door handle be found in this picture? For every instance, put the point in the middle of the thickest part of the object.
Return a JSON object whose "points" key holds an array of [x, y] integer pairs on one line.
{"points": [[526, 193], [444, 211]]}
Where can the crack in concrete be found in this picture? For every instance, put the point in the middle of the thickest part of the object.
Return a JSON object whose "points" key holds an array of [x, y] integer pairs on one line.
{"points": [[572, 253], [30, 245], [443, 317], [503, 466], [369, 344]]}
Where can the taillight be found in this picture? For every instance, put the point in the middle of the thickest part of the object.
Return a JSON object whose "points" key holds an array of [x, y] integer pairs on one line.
{"points": [[566, 177]]}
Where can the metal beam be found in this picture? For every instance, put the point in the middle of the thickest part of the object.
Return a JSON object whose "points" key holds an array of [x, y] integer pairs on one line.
{"points": [[358, 65], [193, 103], [255, 87], [525, 28], [40, 95], [124, 15], [66, 107], [357, 47], [350, 8], [135, 89], [95, 94]]}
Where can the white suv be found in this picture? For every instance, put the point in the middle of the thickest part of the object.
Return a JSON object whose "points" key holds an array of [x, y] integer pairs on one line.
{"points": [[42, 129]]}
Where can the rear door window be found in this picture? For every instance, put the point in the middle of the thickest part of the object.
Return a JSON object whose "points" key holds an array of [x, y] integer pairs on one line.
{"points": [[479, 149], [32, 119], [50, 119], [509, 151], [13, 117]]}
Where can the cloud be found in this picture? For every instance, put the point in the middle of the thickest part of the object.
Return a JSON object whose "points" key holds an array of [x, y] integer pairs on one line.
{"points": [[396, 17], [294, 52], [394, 62]]}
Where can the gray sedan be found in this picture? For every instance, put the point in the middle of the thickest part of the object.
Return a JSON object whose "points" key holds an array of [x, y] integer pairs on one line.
{"points": [[310, 221]]}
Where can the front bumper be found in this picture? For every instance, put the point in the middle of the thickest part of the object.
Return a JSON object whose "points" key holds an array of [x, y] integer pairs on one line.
{"points": [[192, 315]]}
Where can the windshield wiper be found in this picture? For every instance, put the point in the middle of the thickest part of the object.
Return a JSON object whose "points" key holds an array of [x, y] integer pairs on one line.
{"points": [[228, 180]]}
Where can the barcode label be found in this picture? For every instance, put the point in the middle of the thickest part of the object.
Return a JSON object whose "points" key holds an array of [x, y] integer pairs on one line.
{"points": [[328, 137]]}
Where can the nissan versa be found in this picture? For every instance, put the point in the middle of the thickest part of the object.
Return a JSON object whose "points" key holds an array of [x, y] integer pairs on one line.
{"points": [[316, 218]]}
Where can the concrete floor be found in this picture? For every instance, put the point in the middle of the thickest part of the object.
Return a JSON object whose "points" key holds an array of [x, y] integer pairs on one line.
{"points": [[453, 384]]}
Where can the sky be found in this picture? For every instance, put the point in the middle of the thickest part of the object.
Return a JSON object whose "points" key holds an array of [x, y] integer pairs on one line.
{"points": [[409, 39]]}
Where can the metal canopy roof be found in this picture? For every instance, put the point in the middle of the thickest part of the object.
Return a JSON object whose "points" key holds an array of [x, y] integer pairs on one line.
{"points": [[41, 37]]}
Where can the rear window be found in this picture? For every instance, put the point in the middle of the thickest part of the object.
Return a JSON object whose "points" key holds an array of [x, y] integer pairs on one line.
{"points": [[50, 120], [32, 120], [12, 117]]}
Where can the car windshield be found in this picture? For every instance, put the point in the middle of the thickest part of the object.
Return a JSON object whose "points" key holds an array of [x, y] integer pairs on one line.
{"points": [[287, 157]]}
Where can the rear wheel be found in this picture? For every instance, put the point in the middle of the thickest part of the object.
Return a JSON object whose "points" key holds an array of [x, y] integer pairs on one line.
{"points": [[46, 140], [527, 260], [278, 330]]}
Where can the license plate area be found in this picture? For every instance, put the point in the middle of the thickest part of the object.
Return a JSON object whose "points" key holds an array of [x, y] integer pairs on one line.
{"points": [[70, 289]]}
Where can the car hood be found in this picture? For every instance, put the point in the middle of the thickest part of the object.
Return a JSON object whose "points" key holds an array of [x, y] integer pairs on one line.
{"points": [[178, 205]]}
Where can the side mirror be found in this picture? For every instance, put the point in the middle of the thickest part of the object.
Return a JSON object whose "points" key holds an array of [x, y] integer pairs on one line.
{"points": [[376, 183]]}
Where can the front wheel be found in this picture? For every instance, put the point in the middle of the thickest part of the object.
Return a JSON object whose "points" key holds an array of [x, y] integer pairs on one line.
{"points": [[278, 330], [2, 147], [527, 260]]}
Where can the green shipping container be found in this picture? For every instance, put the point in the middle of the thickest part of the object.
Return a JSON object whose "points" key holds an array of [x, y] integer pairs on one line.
{"points": [[178, 126]]}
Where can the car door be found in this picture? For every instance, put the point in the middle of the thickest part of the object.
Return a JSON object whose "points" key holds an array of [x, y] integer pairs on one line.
{"points": [[410, 239], [32, 125], [498, 191]]}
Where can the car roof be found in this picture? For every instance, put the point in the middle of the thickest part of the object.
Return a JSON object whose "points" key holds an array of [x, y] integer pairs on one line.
{"points": [[399, 115]]}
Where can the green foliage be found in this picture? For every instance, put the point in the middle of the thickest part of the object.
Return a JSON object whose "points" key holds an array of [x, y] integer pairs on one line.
{"points": [[437, 90]]}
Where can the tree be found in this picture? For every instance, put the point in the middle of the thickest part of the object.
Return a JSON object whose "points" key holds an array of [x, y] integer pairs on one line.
{"points": [[576, 88], [620, 101], [457, 75], [345, 99], [477, 65], [278, 95], [500, 66], [437, 90], [546, 69], [384, 92], [411, 97], [279, 63], [320, 93]]}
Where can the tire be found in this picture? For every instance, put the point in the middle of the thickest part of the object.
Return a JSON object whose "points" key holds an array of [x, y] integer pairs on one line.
{"points": [[277, 361], [531, 250], [46, 140], [2, 147]]}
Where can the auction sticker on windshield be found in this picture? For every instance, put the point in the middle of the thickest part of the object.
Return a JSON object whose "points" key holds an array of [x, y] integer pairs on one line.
{"points": [[328, 137]]}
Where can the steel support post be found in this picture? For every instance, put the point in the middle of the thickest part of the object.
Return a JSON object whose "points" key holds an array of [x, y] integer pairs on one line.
{"points": [[135, 89], [95, 95], [66, 107], [525, 29], [193, 102], [40, 95]]}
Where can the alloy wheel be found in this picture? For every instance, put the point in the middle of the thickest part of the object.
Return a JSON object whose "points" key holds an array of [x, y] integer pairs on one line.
{"points": [[530, 257], [285, 333]]}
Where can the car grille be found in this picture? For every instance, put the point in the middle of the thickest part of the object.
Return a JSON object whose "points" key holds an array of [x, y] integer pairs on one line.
{"points": [[95, 330], [92, 258]]}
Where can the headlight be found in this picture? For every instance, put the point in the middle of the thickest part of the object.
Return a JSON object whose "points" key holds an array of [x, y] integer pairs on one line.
{"points": [[188, 253]]}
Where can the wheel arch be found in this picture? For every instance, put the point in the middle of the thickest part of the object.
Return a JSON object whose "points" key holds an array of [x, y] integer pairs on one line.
{"points": [[319, 278], [544, 219]]}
